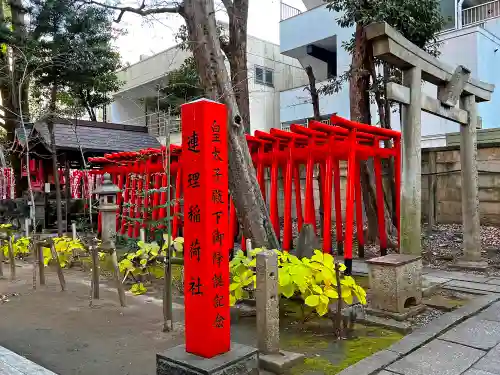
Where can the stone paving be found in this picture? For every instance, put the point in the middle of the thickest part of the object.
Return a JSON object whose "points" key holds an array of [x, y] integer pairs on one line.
{"points": [[463, 342], [13, 364]]}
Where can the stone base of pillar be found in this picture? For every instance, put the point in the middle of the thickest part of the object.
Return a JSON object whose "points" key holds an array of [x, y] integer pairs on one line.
{"points": [[240, 359], [399, 316], [473, 265], [280, 363]]}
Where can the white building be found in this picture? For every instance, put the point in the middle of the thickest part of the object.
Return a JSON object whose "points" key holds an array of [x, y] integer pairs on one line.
{"points": [[471, 38], [269, 71]]}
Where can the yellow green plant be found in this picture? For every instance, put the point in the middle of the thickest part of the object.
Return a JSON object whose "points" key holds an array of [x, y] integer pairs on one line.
{"points": [[5, 227], [143, 264], [66, 249], [313, 280], [19, 246], [177, 245]]}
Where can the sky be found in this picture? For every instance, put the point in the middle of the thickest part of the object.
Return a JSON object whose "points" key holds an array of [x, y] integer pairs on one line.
{"points": [[157, 33]]}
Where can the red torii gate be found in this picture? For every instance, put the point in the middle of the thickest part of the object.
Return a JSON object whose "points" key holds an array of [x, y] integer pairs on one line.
{"points": [[141, 175]]}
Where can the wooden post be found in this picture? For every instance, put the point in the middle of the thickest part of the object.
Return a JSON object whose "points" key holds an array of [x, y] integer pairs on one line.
{"points": [[470, 197], [1, 261], [95, 271], [119, 285], [55, 258], [338, 314], [12, 259], [411, 156], [41, 265], [432, 186], [67, 190]]}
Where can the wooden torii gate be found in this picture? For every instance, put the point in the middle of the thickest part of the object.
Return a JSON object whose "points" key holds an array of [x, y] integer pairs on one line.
{"points": [[455, 86]]}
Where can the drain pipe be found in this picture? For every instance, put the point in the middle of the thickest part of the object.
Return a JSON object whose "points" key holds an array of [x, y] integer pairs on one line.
{"points": [[459, 14]]}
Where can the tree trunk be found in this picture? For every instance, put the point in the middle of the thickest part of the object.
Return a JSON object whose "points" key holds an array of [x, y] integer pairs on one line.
{"points": [[359, 84], [236, 53], [314, 93], [247, 197], [7, 89], [92, 114], [55, 172], [18, 12], [317, 116], [384, 117]]}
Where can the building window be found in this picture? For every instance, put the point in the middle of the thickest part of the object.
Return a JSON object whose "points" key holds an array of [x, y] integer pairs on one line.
{"points": [[264, 76]]}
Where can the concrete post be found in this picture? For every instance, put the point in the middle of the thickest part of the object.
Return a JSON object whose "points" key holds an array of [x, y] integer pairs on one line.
{"points": [[431, 213], [249, 248], [267, 299], [27, 227], [73, 231], [142, 235], [271, 358], [411, 165], [470, 196]]}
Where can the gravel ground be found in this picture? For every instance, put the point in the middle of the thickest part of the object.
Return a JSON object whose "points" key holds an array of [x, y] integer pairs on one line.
{"points": [[439, 248], [444, 245], [425, 317]]}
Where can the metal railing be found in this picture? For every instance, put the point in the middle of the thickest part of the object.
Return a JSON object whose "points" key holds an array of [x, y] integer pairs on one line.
{"points": [[157, 123], [287, 11], [480, 13]]}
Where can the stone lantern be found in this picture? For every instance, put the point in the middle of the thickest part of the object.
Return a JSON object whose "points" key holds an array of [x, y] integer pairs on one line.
{"points": [[107, 208]]}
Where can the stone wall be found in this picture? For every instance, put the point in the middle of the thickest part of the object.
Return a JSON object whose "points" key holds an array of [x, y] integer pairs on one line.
{"points": [[448, 184]]}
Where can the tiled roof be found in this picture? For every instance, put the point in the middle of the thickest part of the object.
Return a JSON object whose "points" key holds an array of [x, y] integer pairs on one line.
{"points": [[97, 136]]}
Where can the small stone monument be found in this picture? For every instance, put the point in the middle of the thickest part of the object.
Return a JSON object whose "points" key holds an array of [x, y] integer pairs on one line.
{"points": [[395, 286], [307, 242], [271, 358], [107, 193]]}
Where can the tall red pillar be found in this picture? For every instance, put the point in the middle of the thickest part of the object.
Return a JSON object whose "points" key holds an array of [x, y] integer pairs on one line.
{"points": [[206, 232]]}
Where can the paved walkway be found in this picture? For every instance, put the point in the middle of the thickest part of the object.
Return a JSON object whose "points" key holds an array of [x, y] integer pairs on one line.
{"points": [[463, 342], [79, 340]]}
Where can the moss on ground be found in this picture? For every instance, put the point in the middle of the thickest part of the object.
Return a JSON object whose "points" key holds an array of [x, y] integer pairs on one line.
{"points": [[370, 340]]}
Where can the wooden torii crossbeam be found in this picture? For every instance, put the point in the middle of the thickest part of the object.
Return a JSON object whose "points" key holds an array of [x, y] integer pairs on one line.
{"points": [[455, 86]]}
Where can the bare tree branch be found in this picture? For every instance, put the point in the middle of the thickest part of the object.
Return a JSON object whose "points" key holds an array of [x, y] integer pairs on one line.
{"points": [[142, 11]]}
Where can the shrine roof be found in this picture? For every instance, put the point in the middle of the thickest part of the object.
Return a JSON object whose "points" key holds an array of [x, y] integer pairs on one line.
{"points": [[96, 136]]}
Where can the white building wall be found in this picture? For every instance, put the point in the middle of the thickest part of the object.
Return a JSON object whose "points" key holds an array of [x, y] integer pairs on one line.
{"points": [[151, 68], [141, 78], [126, 110]]}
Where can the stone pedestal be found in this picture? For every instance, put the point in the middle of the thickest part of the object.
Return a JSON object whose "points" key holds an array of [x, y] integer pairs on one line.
{"points": [[472, 265], [395, 285], [240, 360]]}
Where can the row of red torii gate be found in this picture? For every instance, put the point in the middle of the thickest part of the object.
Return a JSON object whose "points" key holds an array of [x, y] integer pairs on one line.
{"points": [[142, 178]]}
